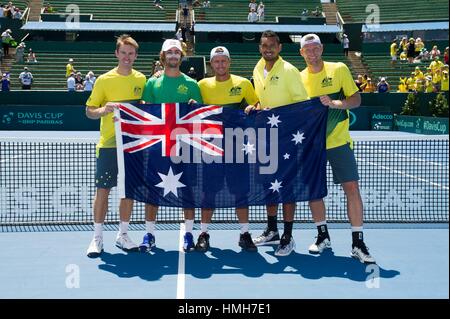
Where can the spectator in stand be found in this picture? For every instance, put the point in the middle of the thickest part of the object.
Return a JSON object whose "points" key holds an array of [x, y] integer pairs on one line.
{"points": [[402, 87], [419, 45], [158, 68], [418, 86], [196, 3], [359, 82], [89, 81], [192, 73], [206, 4], [411, 82], [70, 68], [435, 52], [304, 12], [79, 81], [446, 56], [19, 52], [49, 9], [71, 83], [252, 16], [17, 14], [383, 86], [410, 50], [178, 35], [429, 87], [393, 51], [345, 44], [158, 4], [261, 12], [369, 87], [424, 56], [444, 80], [26, 79], [436, 65], [317, 12], [6, 41], [437, 78], [404, 55], [403, 44], [31, 58], [418, 74], [252, 5], [5, 82]]}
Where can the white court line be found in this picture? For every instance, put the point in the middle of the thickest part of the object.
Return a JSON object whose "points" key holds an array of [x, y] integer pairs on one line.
{"points": [[405, 156], [407, 175], [181, 278]]}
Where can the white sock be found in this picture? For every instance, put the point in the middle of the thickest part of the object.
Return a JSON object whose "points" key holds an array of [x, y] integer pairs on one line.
{"points": [[323, 222], [244, 228], [150, 227], [204, 227], [359, 228], [189, 225], [123, 226], [98, 229]]}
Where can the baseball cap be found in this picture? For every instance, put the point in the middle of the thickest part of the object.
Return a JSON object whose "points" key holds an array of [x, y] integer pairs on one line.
{"points": [[171, 43], [308, 39], [218, 51]]}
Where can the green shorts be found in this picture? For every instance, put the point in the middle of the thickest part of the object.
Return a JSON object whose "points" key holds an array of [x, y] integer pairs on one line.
{"points": [[106, 172], [343, 164]]}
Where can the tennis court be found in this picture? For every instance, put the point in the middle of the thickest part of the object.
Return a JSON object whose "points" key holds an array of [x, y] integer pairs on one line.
{"points": [[46, 190]]}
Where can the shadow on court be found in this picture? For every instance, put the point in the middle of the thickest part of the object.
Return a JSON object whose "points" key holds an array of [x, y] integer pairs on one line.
{"points": [[154, 266], [149, 267], [254, 265]]}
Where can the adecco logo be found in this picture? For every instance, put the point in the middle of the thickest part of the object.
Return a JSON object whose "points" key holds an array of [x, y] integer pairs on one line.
{"points": [[382, 116]]}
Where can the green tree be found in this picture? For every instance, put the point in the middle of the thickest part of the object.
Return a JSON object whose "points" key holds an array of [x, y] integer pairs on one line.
{"points": [[411, 106], [439, 106]]}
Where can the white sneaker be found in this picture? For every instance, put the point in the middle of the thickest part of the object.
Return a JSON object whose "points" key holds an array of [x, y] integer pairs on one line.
{"points": [[361, 252], [267, 237], [124, 242], [285, 247], [320, 245], [95, 247]]}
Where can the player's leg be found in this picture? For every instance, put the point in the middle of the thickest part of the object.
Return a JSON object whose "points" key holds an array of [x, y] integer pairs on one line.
{"points": [[148, 242], [245, 239], [287, 243]]}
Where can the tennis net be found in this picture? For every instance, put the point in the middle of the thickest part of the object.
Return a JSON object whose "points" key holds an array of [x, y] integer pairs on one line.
{"points": [[48, 179]]}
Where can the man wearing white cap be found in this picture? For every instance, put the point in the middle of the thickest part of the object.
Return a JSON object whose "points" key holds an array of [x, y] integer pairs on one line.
{"points": [[277, 83], [233, 91], [328, 81], [172, 86]]}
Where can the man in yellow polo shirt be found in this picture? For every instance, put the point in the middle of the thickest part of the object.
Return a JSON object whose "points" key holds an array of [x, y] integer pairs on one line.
{"points": [[233, 91], [333, 83], [122, 83], [277, 83]]}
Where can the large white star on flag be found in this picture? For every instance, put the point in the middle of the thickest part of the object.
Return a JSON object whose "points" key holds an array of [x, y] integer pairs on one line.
{"points": [[276, 185], [273, 120], [298, 138], [170, 182], [286, 156], [249, 148]]}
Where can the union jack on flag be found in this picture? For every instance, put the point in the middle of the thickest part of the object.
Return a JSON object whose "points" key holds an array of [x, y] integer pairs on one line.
{"points": [[168, 125]]}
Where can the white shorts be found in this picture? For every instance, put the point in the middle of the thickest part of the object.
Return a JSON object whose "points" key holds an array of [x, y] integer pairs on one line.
{"points": [[394, 57]]}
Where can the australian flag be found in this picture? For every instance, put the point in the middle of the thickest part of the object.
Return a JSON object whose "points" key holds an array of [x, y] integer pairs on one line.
{"points": [[209, 156]]}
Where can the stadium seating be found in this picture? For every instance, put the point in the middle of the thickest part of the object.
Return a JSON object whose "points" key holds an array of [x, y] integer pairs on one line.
{"points": [[394, 11]]}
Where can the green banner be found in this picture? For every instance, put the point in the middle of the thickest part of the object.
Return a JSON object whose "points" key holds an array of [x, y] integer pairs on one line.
{"points": [[382, 121], [422, 124], [45, 118]]}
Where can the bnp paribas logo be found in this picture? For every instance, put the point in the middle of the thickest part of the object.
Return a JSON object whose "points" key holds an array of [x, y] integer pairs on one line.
{"points": [[7, 118], [418, 121]]}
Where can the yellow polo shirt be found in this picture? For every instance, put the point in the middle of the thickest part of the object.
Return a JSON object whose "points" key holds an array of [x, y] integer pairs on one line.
{"points": [[282, 85]]}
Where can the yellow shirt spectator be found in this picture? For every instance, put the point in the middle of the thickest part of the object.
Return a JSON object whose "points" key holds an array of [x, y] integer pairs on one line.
{"points": [[114, 87], [282, 85], [444, 81], [394, 48], [402, 87], [335, 79], [70, 69]]}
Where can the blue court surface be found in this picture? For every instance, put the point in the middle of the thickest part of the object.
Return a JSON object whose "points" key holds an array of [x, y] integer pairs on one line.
{"points": [[50, 262]]}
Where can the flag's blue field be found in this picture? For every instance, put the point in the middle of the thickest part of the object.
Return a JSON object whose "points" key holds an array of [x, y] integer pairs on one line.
{"points": [[50, 262]]}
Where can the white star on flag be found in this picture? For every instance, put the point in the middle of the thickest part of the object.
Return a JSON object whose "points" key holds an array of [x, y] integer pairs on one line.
{"points": [[273, 120], [170, 182], [298, 138], [249, 148], [286, 156], [276, 185]]}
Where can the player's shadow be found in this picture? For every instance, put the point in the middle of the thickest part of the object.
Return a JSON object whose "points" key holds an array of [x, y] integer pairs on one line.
{"points": [[148, 266], [227, 261], [328, 264]]}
